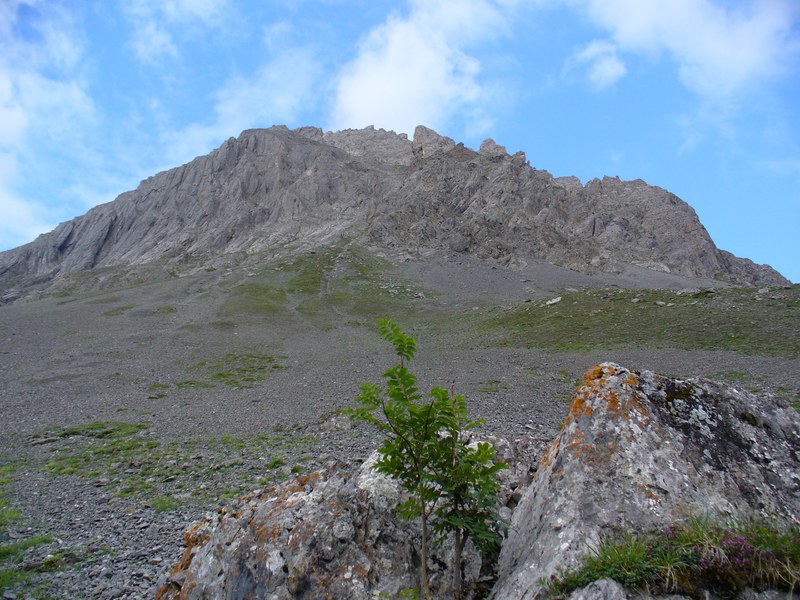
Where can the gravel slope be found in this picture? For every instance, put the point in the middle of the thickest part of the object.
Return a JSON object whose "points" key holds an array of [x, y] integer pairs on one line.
{"points": [[137, 355]]}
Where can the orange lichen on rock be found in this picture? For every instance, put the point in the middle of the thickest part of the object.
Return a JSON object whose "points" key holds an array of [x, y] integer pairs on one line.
{"points": [[649, 493], [306, 479], [195, 537], [550, 454], [596, 372], [606, 390]]}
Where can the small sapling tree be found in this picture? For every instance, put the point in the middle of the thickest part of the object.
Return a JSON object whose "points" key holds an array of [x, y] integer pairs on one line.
{"points": [[452, 483]]}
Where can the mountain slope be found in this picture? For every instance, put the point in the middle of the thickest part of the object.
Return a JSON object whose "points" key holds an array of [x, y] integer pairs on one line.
{"points": [[273, 189]]}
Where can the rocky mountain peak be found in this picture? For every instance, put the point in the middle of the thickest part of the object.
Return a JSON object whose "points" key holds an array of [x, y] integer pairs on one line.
{"points": [[274, 189]]}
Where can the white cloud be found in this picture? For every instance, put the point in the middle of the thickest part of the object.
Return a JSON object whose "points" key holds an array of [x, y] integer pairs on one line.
{"points": [[275, 94], [43, 105], [415, 69], [603, 66], [152, 42], [720, 49], [153, 20]]}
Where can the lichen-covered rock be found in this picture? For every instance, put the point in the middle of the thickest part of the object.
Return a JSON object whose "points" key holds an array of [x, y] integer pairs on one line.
{"points": [[643, 450], [328, 535]]}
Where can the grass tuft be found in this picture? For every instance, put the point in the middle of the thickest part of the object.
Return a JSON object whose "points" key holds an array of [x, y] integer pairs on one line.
{"points": [[701, 555]]}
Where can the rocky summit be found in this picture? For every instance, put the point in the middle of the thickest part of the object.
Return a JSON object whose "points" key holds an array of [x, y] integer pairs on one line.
{"points": [[272, 191]]}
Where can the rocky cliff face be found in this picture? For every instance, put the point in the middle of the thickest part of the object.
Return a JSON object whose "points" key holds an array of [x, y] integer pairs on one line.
{"points": [[271, 188], [637, 449]]}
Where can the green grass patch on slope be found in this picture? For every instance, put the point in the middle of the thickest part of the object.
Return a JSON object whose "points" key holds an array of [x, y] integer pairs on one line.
{"points": [[242, 370], [727, 319], [324, 283], [7, 512], [12, 574], [255, 298], [166, 475]]}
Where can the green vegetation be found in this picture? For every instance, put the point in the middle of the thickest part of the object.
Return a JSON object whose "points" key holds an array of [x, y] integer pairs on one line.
{"points": [[11, 554], [98, 429], [452, 483], [188, 384], [701, 555], [166, 309], [239, 370], [104, 300], [164, 503], [118, 310], [132, 464], [157, 391], [334, 280], [257, 298], [7, 513], [728, 319], [17, 548]]}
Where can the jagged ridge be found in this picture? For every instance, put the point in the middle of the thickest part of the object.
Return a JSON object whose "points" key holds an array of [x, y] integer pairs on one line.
{"points": [[270, 188]]}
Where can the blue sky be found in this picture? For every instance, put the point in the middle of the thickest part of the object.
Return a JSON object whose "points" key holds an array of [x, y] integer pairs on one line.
{"points": [[701, 97]]}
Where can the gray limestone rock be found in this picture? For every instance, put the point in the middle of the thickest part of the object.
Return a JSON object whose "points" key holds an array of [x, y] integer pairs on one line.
{"points": [[326, 535], [637, 449], [602, 589], [273, 190], [428, 143], [645, 451]]}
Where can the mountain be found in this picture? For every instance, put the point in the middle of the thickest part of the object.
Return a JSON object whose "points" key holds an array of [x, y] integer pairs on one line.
{"points": [[275, 190]]}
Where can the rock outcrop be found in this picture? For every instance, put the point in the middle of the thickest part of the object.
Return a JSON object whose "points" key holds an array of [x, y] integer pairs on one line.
{"points": [[646, 451], [637, 449], [273, 188], [328, 535]]}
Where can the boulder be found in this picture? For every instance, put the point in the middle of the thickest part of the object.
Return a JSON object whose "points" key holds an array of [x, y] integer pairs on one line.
{"points": [[332, 534], [638, 451], [641, 451]]}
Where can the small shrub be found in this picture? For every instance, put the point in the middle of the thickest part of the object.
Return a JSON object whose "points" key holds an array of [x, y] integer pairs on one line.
{"points": [[452, 482]]}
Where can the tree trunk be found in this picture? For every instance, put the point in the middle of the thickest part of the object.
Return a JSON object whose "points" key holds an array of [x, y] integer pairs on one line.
{"points": [[457, 553], [423, 567]]}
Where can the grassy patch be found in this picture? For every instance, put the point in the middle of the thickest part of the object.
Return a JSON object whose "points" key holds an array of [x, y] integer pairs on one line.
{"points": [[119, 310], [239, 370], [723, 557], [311, 271], [18, 548], [276, 463], [11, 574], [728, 319], [356, 283], [98, 429], [7, 512], [167, 476], [256, 298], [188, 384], [166, 310], [104, 300], [157, 391], [164, 503], [492, 386]]}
